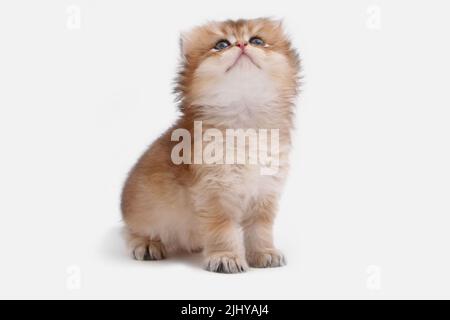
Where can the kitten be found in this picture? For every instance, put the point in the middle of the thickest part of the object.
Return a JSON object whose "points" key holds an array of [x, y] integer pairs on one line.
{"points": [[234, 74]]}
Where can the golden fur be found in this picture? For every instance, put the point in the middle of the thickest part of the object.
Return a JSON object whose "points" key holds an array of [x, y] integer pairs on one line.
{"points": [[225, 210]]}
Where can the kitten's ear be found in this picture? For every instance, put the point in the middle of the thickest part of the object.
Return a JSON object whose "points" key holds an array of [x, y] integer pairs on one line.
{"points": [[278, 24], [187, 41], [183, 43], [197, 37]]}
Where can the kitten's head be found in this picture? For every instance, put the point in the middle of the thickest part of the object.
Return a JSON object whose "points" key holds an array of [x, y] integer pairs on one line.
{"points": [[239, 62]]}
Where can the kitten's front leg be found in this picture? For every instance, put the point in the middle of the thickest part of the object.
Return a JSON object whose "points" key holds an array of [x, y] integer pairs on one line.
{"points": [[223, 239], [258, 236]]}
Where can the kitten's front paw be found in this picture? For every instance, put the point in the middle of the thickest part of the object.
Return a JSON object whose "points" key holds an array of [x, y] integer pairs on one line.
{"points": [[266, 259], [153, 250], [226, 263]]}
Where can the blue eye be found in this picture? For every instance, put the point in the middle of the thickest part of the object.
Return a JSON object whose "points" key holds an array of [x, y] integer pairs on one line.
{"points": [[256, 41], [222, 44]]}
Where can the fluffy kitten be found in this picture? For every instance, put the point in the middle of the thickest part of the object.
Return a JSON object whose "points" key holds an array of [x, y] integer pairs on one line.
{"points": [[234, 74]]}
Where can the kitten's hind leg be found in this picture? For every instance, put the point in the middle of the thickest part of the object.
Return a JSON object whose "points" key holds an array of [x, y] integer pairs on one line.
{"points": [[145, 248]]}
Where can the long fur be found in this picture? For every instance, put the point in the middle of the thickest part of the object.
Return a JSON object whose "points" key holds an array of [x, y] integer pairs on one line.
{"points": [[225, 210]]}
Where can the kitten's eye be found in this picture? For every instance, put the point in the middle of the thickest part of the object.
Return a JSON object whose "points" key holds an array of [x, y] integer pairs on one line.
{"points": [[256, 41], [222, 44]]}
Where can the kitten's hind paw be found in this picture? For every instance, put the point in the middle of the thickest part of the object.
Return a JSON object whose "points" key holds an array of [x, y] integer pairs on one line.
{"points": [[226, 263]]}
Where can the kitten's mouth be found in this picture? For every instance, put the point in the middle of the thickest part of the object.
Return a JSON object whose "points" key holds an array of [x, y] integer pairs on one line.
{"points": [[243, 55]]}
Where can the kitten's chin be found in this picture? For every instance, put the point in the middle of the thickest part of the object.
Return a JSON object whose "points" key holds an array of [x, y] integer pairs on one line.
{"points": [[242, 61]]}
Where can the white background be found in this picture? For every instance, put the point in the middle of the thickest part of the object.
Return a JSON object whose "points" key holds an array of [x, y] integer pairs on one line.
{"points": [[365, 213]]}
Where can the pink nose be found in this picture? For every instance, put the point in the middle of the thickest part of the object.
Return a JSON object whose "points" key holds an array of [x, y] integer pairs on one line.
{"points": [[241, 45]]}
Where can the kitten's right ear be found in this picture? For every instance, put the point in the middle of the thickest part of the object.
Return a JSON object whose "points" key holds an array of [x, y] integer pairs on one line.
{"points": [[186, 42], [197, 38]]}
